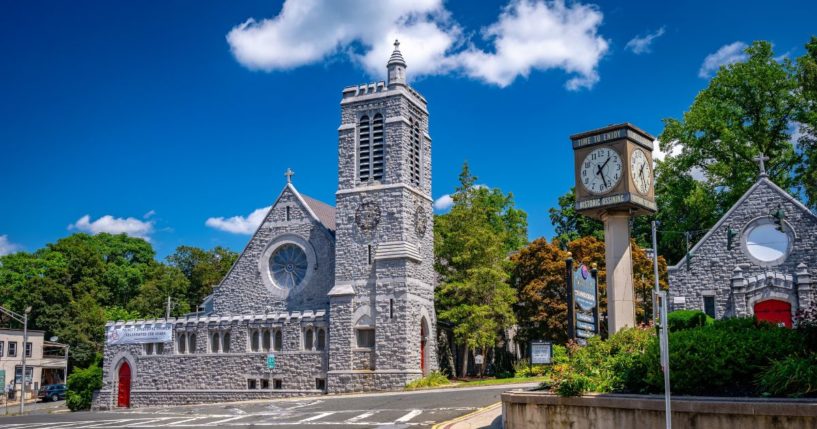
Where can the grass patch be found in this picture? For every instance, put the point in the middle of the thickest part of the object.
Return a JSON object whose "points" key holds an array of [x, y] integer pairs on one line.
{"points": [[435, 379], [493, 381]]}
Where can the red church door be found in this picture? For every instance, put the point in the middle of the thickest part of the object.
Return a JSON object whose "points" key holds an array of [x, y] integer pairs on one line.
{"points": [[774, 311], [423, 335], [123, 397]]}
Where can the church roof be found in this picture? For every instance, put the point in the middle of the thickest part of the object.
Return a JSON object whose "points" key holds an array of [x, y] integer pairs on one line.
{"points": [[763, 181], [324, 212]]}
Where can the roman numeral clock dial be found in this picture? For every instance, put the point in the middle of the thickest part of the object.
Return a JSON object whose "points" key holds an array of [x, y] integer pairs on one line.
{"points": [[601, 170], [640, 170]]}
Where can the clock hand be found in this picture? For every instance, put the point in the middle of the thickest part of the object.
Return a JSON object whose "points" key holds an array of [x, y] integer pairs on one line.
{"points": [[602, 176]]}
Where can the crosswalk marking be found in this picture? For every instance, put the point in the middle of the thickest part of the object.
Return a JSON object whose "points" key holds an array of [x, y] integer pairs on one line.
{"points": [[217, 422], [360, 417], [105, 423], [186, 420], [319, 416], [412, 414]]}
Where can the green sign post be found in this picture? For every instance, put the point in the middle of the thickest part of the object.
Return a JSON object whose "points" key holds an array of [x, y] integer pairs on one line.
{"points": [[3, 382], [271, 361]]}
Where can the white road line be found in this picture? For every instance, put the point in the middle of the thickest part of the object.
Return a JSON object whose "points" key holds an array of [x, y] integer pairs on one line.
{"points": [[360, 417], [142, 424], [319, 416], [186, 420], [412, 414], [103, 423], [226, 420]]}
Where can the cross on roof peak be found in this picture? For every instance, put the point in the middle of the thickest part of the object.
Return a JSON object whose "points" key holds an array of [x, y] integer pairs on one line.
{"points": [[289, 173], [760, 159]]}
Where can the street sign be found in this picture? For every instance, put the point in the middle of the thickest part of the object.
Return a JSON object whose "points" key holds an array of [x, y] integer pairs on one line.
{"points": [[271, 361], [584, 317], [584, 288], [586, 326], [2, 382], [478, 359], [581, 333], [540, 352]]}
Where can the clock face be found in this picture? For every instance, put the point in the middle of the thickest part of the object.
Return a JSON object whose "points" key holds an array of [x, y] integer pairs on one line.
{"points": [[601, 170], [640, 170]]}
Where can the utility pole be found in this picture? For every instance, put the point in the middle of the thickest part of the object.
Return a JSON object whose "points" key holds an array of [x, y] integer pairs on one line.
{"points": [[167, 312], [571, 317], [659, 311]]}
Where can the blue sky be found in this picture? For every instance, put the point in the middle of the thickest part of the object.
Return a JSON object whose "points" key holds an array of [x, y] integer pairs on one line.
{"points": [[147, 118]]}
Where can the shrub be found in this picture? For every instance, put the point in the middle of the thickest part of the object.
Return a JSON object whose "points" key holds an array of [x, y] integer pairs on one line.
{"points": [[433, 379], [81, 386], [793, 376], [523, 368], [686, 319], [721, 359]]}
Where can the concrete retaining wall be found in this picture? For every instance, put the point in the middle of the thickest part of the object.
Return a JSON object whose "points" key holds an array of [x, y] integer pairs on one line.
{"points": [[548, 411]]}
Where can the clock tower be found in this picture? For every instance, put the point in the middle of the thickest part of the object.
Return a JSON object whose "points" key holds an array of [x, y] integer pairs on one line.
{"points": [[382, 304], [614, 182]]}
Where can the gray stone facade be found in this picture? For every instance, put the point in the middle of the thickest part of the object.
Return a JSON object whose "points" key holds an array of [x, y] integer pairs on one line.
{"points": [[362, 278], [734, 279]]}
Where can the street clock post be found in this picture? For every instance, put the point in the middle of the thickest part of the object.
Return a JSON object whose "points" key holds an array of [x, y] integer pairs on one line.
{"points": [[614, 181]]}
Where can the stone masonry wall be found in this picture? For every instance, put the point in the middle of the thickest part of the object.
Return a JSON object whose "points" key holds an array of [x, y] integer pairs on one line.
{"points": [[712, 264]]}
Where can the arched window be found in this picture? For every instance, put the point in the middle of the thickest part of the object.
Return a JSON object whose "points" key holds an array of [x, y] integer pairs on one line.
{"points": [[321, 340], [377, 147], [370, 148], [225, 343], [415, 168], [266, 340], [308, 339], [279, 340], [191, 343], [214, 342], [364, 149], [181, 344], [256, 339]]}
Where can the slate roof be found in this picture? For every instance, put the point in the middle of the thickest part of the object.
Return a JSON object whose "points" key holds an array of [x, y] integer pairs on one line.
{"points": [[324, 212]]}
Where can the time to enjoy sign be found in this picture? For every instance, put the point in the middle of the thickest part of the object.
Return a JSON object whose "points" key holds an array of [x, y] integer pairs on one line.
{"points": [[140, 334]]}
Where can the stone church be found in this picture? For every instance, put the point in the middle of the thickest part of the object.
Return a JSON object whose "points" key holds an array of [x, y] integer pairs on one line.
{"points": [[757, 260], [322, 299]]}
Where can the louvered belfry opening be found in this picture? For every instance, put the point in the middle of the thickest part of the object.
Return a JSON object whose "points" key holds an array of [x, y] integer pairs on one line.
{"points": [[414, 155], [370, 165], [377, 147], [365, 150]]}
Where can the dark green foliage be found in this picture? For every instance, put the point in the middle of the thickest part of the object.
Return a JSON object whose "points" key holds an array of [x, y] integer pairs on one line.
{"points": [[81, 386], [723, 358], [686, 319], [793, 376]]}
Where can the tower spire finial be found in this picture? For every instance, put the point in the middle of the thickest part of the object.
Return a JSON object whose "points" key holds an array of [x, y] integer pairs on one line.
{"points": [[396, 66]]}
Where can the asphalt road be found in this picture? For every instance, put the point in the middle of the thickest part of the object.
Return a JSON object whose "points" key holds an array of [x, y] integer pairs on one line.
{"points": [[381, 410]]}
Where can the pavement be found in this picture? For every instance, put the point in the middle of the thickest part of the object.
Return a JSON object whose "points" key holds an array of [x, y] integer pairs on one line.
{"points": [[420, 409]]}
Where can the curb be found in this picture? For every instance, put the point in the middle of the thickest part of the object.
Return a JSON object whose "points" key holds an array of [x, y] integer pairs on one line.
{"points": [[450, 423]]}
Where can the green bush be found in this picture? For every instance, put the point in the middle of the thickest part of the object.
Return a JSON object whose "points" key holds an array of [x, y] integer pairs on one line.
{"points": [[721, 359], [615, 365], [793, 376], [686, 319], [433, 379], [81, 386]]}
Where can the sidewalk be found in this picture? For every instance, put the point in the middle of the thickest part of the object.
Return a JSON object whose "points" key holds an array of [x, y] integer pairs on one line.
{"points": [[489, 417]]}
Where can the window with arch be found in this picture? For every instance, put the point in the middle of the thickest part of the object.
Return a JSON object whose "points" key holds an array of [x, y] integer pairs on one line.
{"points": [[215, 340], [266, 339], [278, 343], [370, 148], [186, 343], [255, 340], [225, 342], [309, 339], [219, 341], [415, 153], [314, 338], [320, 345]]}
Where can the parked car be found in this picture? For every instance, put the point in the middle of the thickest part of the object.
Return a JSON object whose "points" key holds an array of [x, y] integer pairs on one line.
{"points": [[52, 392]]}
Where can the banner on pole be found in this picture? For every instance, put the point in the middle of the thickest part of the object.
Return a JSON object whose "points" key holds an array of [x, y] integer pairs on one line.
{"points": [[162, 333]]}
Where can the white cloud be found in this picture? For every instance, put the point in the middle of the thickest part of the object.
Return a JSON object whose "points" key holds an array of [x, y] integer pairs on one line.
{"points": [[443, 203], [643, 44], [149, 214], [114, 225], [528, 35], [727, 54], [239, 224], [7, 247]]}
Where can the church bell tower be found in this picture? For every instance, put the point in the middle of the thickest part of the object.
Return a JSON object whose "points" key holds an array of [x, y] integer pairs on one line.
{"points": [[382, 323]]}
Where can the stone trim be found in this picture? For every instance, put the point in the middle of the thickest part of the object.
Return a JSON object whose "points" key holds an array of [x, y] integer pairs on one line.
{"points": [[359, 189], [181, 321]]}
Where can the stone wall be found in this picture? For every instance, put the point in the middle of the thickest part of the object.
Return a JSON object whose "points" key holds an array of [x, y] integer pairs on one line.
{"points": [[713, 265], [522, 410]]}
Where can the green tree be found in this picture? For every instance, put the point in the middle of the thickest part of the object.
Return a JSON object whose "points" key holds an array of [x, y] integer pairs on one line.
{"points": [[202, 268], [163, 282], [471, 244], [807, 120], [746, 110], [570, 225]]}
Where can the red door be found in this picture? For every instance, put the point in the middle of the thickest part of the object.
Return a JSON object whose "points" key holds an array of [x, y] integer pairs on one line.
{"points": [[423, 335], [774, 311], [123, 398]]}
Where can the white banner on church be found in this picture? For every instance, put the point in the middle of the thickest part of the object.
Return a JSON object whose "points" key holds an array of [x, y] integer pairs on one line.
{"points": [[140, 334]]}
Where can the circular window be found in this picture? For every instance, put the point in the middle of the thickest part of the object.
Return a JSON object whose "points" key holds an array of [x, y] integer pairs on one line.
{"points": [[288, 266], [765, 244]]}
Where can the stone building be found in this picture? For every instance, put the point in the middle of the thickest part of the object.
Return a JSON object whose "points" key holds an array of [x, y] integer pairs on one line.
{"points": [[757, 260], [322, 299]]}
